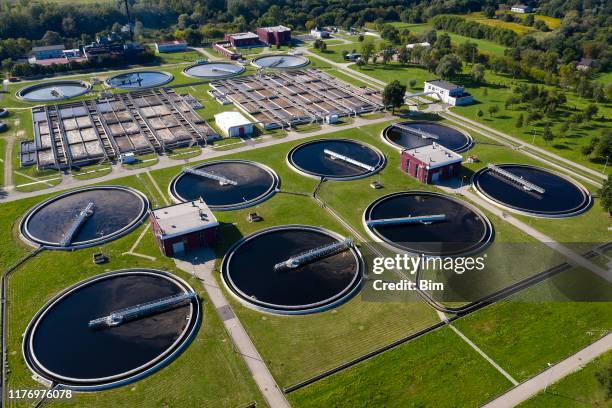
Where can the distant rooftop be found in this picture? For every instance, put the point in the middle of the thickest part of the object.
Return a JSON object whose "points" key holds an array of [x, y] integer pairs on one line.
{"points": [[184, 218], [243, 36], [48, 48], [435, 155], [278, 28], [449, 86]]}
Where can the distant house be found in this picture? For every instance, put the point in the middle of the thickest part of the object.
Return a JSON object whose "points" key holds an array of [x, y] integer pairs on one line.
{"points": [[421, 44], [448, 92], [48, 52], [238, 40], [277, 35], [319, 34], [234, 124], [172, 46], [585, 64], [521, 8]]}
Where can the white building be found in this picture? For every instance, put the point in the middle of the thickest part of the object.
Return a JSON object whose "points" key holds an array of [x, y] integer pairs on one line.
{"points": [[448, 92], [521, 8], [234, 124], [316, 33], [173, 46], [422, 44]]}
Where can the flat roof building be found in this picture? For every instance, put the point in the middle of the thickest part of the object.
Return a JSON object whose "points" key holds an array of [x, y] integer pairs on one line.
{"points": [[448, 92], [184, 227], [234, 124], [431, 163], [521, 8], [277, 35], [48, 52], [172, 46], [247, 39]]}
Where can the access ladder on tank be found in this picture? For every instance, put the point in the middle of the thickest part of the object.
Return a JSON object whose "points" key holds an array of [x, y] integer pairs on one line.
{"points": [[338, 156], [144, 309], [419, 132], [516, 179], [419, 219], [76, 225], [314, 254], [206, 174]]}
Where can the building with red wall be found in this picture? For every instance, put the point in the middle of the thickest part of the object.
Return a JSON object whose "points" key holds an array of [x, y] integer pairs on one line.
{"points": [[278, 35], [247, 39], [431, 163], [184, 227]]}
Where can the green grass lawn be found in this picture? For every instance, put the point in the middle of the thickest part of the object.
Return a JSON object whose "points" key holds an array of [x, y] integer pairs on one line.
{"points": [[2, 153], [542, 324], [580, 389], [435, 370], [92, 171]]}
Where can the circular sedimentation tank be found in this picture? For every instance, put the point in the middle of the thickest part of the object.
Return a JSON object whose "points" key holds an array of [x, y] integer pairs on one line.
{"points": [[61, 346], [250, 271], [545, 194], [53, 91], [280, 61], [111, 212], [246, 183], [336, 159], [213, 70], [463, 230], [139, 80], [414, 134]]}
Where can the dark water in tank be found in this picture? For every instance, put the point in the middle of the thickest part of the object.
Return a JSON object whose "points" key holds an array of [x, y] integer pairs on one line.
{"points": [[252, 269], [461, 231], [137, 80], [253, 183], [560, 195], [311, 159], [448, 137], [113, 210], [64, 344]]}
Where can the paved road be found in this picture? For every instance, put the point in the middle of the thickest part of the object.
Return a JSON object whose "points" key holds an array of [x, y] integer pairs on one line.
{"points": [[207, 153], [201, 264], [556, 372]]}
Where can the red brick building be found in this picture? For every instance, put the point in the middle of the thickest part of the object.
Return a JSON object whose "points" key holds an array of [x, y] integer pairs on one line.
{"points": [[431, 163], [247, 39], [183, 227], [278, 35]]}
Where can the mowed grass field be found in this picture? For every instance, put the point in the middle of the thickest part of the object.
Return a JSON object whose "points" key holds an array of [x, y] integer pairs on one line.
{"points": [[580, 389]]}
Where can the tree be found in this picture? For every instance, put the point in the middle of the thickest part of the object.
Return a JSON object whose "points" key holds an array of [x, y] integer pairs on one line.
{"points": [[590, 111], [519, 121], [480, 113], [605, 195], [489, 12], [404, 56], [468, 51], [51, 38], [478, 73], [367, 50], [548, 134], [449, 66], [493, 110], [68, 25], [393, 95], [485, 92], [412, 83], [183, 21], [360, 62], [603, 148]]}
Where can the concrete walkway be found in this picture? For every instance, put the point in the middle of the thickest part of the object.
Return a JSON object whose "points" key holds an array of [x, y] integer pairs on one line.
{"points": [[207, 153], [553, 374], [8, 164], [201, 264]]}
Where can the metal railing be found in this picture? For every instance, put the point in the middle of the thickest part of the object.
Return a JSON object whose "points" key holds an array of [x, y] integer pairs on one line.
{"points": [[76, 225], [314, 254], [419, 132], [206, 174], [419, 219], [527, 185], [338, 156]]}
